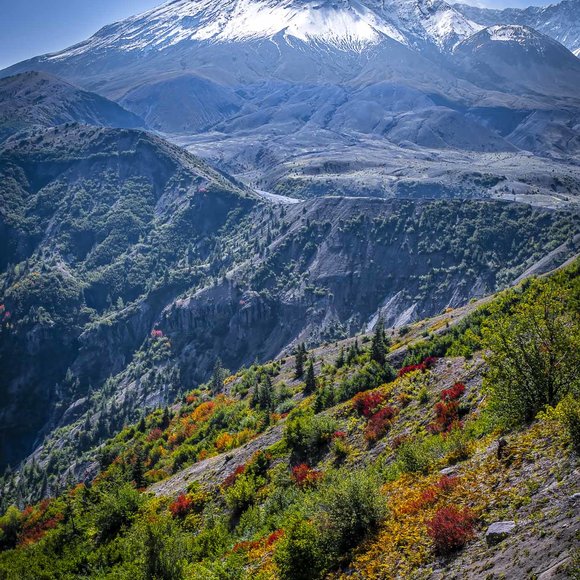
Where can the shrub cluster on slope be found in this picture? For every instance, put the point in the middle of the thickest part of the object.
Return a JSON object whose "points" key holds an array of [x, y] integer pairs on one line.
{"points": [[325, 496]]}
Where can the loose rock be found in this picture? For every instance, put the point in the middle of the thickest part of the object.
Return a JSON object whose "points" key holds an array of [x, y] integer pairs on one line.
{"points": [[499, 531]]}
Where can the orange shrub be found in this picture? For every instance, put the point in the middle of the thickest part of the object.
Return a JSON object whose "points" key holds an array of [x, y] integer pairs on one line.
{"points": [[304, 476], [224, 441]]}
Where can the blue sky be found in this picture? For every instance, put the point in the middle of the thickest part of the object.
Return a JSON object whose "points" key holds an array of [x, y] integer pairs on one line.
{"points": [[32, 27]]}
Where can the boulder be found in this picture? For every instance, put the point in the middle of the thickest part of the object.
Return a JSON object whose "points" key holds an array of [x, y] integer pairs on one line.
{"points": [[449, 470], [499, 531]]}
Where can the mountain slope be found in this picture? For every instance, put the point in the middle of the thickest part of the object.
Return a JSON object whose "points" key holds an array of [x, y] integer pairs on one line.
{"points": [[520, 58], [253, 473], [151, 242], [40, 100], [87, 220]]}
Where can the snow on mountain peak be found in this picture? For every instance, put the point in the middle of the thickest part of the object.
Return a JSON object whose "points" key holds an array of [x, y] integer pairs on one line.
{"points": [[509, 33], [344, 24]]}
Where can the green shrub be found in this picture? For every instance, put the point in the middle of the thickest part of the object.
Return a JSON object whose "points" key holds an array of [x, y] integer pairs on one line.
{"points": [[116, 510], [241, 494], [533, 352], [568, 413], [300, 554], [305, 433], [351, 508]]}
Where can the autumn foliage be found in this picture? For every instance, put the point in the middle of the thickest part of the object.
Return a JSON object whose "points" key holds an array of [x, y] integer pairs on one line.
{"points": [[181, 506], [422, 366], [304, 476], [379, 423], [450, 529], [231, 478], [453, 393], [447, 410], [366, 403]]}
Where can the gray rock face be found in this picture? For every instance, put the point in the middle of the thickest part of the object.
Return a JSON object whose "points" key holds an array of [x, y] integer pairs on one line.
{"points": [[499, 531]]}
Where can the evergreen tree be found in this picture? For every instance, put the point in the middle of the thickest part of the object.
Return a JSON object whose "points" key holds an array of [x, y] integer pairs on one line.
{"points": [[218, 377], [379, 344], [262, 397], [340, 360], [324, 398], [138, 468], [300, 359], [310, 383], [165, 419], [352, 353]]}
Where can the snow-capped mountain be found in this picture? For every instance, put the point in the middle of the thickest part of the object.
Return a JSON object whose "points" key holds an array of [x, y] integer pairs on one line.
{"points": [[279, 90], [345, 24], [560, 21]]}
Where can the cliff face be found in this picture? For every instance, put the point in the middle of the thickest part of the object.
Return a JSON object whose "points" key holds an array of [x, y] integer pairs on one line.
{"points": [[87, 225]]}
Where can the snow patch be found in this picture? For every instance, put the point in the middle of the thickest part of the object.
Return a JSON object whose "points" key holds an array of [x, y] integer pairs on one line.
{"points": [[511, 33]]}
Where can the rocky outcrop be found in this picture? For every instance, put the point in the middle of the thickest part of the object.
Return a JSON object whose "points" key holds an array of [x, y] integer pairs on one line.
{"points": [[499, 531]]}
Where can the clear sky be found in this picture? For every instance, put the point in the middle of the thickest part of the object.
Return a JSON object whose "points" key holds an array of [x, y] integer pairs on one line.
{"points": [[32, 27]]}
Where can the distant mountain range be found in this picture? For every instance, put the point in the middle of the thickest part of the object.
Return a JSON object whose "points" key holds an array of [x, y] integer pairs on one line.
{"points": [[354, 97], [560, 21]]}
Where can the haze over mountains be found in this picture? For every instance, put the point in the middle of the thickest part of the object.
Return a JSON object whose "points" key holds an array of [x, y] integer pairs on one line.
{"points": [[110, 230]]}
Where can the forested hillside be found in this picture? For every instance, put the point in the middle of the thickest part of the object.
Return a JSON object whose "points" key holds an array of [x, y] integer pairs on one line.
{"points": [[129, 267]]}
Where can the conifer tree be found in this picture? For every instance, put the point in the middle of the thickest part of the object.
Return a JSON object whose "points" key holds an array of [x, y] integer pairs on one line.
{"points": [[310, 383], [340, 360], [379, 344], [300, 359], [166, 418], [217, 379]]}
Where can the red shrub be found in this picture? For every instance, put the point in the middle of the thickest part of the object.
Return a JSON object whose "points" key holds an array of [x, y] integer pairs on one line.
{"points": [[156, 334], [379, 423], [304, 476], [155, 434], [450, 529], [181, 506], [453, 393], [422, 366], [35, 522], [427, 498], [265, 542], [446, 417], [429, 362], [231, 478], [367, 402], [339, 435], [274, 537], [448, 482]]}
